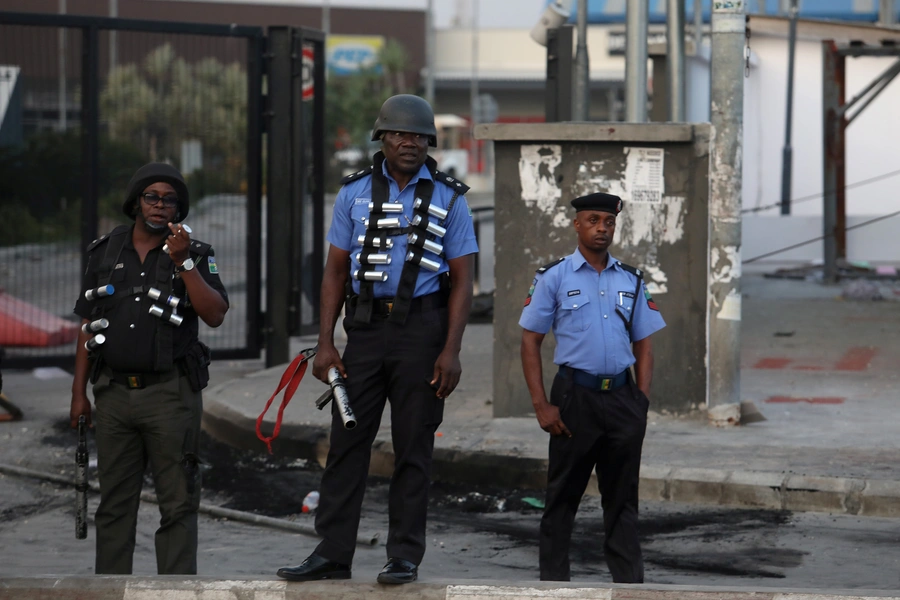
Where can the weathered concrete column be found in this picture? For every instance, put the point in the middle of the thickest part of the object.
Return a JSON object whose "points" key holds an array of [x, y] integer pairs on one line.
{"points": [[661, 171], [727, 116]]}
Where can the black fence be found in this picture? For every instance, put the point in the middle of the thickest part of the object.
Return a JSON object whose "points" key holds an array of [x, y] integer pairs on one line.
{"points": [[84, 102]]}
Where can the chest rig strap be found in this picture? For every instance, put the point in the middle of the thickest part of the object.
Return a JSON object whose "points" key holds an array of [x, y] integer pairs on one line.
{"points": [[380, 196], [407, 286], [165, 270]]}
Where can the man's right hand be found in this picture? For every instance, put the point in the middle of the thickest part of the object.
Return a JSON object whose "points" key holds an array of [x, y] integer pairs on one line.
{"points": [[80, 406], [326, 357], [551, 422]]}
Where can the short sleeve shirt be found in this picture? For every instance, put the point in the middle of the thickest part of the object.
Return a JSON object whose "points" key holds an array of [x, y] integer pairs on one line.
{"points": [[351, 208], [588, 312]]}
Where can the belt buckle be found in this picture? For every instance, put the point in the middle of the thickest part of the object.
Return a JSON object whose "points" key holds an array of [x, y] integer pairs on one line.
{"points": [[389, 306], [135, 382], [605, 384]]}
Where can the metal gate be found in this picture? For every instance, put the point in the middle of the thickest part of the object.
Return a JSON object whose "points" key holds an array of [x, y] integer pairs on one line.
{"points": [[84, 101]]}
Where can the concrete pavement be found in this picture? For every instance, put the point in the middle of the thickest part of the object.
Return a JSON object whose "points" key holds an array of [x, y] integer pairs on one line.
{"points": [[197, 588], [822, 370]]}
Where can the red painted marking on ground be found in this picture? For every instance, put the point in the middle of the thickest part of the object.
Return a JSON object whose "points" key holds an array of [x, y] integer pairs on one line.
{"points": [[772, 363], [815, 400], [856, 359]]}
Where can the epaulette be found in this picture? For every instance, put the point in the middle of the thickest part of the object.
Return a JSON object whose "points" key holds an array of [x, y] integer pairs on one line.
{"points": [[455, 184], [200, 248], [119, 229], [633, 270], [549, 266], [357, 175]]}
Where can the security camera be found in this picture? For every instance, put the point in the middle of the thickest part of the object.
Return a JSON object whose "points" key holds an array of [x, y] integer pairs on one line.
{"points": [[556, 13]]}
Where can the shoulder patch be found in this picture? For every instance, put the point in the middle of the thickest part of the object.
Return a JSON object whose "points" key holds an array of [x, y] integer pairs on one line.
{"points": [[633, 270], [357, 175], [97, 242], [119, 230], [199, 248], [549, 266], [455, 184]]}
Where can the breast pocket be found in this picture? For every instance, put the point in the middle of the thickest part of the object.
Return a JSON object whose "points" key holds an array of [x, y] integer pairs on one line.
{"points": [[358, 214], [575, 313], [625, 305]]}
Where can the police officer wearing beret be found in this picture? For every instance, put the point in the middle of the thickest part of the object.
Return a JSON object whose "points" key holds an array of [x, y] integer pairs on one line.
{"points": [[140, 350], [602, 317], [402, 235]]}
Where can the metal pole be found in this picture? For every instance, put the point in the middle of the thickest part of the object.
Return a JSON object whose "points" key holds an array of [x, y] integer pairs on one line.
{"points": [[63, 43], [698, 25], [787, 159], [326, 16], [637, 14], [726, 115], [675, 66], [887, 12], [429, 53], [113, 13], [581, 101], [473, 86], [834, 173]]}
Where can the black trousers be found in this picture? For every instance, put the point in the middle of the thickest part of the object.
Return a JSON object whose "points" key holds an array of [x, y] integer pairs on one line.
{"points": [[384, 361], [607, 434]]}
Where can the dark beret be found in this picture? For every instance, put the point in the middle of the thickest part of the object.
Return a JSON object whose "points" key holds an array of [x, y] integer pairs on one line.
{"points": [[599, 201]]}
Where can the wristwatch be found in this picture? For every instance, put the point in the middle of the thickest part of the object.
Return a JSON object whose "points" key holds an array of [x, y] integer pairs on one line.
{"points": [[187, 265]]}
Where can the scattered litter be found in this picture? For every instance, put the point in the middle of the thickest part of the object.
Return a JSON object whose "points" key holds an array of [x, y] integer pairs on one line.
{"points": [[439, 434], [861, 290], [533, 502], [311, 502], [886, 270], [49, 373]]}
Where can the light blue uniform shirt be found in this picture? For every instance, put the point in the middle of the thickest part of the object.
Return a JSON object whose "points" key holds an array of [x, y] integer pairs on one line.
{"points": [[352, 206], [587, 311]]}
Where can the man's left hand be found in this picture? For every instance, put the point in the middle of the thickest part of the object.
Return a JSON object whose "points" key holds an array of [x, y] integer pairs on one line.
{"points": [[446, 373], [179, 241]]}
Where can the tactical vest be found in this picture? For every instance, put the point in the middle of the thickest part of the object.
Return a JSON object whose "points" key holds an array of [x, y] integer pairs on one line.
{"points": [[384, 223], [163, 281]]}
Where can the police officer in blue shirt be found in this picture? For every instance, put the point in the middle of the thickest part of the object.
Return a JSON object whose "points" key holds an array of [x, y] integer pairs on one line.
{"points": [[403, 236], [602, 317]]}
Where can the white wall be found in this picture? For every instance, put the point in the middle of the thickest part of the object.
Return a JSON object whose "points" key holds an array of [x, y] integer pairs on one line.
{"points": [[871, 151]]}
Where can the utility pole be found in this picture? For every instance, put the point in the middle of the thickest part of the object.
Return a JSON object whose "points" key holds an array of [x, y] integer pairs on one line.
{"points": [[727, 66], [429, 53], [887, 12], [62, 50], [473, 86], [580, 108], [326, 16], [787, 154], [637, 15], [675, 59], [113, 45], [698, 25]]}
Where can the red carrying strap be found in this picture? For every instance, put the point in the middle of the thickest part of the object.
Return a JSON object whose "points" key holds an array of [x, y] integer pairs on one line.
{"points": [[289, 380]]}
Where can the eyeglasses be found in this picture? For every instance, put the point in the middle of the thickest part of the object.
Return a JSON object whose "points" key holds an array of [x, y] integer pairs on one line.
{"points": [[153, 199]]}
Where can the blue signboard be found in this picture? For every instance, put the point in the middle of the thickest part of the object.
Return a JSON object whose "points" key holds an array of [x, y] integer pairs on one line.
{"points": [[613, 11]]}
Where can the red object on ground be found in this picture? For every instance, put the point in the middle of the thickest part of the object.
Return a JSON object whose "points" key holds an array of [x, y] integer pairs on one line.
{"points": [[23, 324]]}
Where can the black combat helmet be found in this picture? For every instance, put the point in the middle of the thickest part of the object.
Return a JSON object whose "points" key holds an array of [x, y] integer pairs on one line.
{"points": [[153, 173], [407, 113]]}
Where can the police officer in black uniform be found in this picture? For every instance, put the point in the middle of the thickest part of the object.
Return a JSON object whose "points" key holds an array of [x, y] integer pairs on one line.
{"points": [[403, 235], [145, 286]]}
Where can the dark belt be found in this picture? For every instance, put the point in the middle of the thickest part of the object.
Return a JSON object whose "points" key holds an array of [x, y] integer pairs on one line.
{"points": [[381, 307], [138, 381], [606, 383]]}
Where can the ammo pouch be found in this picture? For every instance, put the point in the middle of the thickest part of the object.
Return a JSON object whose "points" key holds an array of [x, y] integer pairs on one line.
{"points": [[95, 368], [196, 365]]}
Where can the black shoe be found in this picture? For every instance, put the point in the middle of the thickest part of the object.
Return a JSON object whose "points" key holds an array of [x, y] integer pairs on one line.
{"points": [[398, 570], [314, 568]]}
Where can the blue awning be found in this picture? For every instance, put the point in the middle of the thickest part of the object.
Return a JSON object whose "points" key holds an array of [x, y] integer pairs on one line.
{"points": [[613, 11]]}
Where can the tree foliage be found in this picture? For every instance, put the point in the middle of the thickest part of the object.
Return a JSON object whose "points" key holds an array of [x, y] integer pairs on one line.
{"points": [[165, 101]]}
